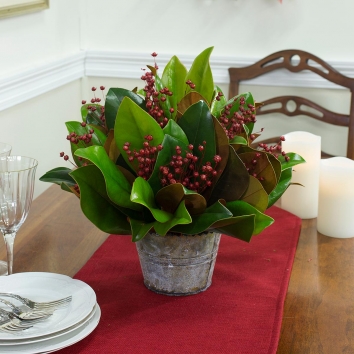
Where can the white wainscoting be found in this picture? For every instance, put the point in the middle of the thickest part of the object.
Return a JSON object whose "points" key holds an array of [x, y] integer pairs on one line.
{"points": [[24, 85]]}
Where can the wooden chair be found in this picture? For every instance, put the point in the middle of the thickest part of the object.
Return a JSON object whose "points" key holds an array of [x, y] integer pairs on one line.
{"points": [[282, 60]]}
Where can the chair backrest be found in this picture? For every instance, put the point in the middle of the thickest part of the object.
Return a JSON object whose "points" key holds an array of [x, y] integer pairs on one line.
{"points": [[283, 60]]}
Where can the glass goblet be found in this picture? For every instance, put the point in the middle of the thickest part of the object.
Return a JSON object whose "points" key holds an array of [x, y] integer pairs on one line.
{"points": [[5, 150], [17, 175]]}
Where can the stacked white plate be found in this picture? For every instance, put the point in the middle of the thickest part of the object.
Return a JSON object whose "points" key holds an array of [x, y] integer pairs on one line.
{"points": [[65, 327]]}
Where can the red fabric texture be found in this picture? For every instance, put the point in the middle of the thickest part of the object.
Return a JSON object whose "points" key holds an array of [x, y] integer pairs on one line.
{"points": [[240, 313]]}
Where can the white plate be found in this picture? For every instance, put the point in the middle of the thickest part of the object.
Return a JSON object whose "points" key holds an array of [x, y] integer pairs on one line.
{"points": [[49, 287], [52, 345], [49, 336]]}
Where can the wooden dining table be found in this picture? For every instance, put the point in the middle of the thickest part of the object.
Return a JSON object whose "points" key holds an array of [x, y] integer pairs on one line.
{"points": [[319, 307]]}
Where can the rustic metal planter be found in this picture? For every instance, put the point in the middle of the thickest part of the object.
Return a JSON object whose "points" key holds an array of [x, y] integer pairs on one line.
{"points": [[178, 264]]}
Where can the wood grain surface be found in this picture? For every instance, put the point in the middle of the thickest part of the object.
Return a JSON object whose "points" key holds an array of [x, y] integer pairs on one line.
{"points": [[319, 307]]}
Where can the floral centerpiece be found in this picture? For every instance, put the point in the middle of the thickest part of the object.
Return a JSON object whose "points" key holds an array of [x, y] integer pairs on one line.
{"points": [[173, 157]]}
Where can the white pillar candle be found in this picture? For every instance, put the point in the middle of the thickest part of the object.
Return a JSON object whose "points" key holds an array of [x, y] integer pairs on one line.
{"points": [[303, 201], [336, 198]]}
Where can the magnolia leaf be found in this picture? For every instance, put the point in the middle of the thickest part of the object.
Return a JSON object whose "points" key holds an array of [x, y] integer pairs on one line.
{"points": [[255, 195], [170, 197], [65, 187], [241, 227], [238, 140], [222, 149], [283, 184], [173, 78], [95, 203], [275, 164], [201, 76], [173, 129], [118, 188], [180, 217], [241, 208], [188, 100], [217, 105], [132, 125], [263, 169], [163, 159], [139, 229], [92, 116], [58, 176], [233, 182], [111, 147], [197, 123], [203, 221], [294, 159], [143, 194], [114, 98]]}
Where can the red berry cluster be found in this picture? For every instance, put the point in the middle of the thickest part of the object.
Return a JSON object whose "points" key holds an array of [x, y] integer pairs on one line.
{"points": [[219, 95], [186, 170], [145, 156], [74, 138], [76, 188], [153, 98], [276, 149], [97, 100], [233, 122], [190, 84]]}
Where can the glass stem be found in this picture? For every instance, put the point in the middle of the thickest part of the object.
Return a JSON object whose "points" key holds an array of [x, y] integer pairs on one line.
{"points": [[9, 242]]}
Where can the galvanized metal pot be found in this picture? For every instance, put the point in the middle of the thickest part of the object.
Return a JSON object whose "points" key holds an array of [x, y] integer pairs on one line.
{"points": [[178, 264]]}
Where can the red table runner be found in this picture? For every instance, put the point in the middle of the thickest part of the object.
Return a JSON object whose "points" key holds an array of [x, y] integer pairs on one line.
{"points": [[240, 313]]}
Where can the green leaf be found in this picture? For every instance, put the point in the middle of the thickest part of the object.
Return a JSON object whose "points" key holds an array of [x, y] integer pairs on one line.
{"points": [[95, 203], [255, 195], [132, 125], [241, 208], [295, 159], [203, 221], [197, 123], [240, 227], [233, 182], [114, 98], [200, 74], [143, 194], [283, 184], [174, 77], [239, 140], [163, 158], [263, 169], [165, 105], [92, 116], [173, 129], [170, 197], [58, 176], [139, 229], [217, 106], [118, 188], [181, 216]]}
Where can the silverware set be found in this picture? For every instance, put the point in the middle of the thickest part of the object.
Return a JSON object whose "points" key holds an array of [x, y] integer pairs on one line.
{"points": [[19, 318]]}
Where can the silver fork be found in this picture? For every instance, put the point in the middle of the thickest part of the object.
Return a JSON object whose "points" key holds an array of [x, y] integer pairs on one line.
{"points": [[49, 305], [11, 325], [26, 314], [25, 323]]}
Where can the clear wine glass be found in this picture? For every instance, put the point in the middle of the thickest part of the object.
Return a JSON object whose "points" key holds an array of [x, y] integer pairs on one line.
{"points": [[5, 150], [17, 175]]}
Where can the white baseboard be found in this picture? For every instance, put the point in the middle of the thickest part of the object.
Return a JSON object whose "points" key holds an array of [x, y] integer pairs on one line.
{"points": [[30, 83]]}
